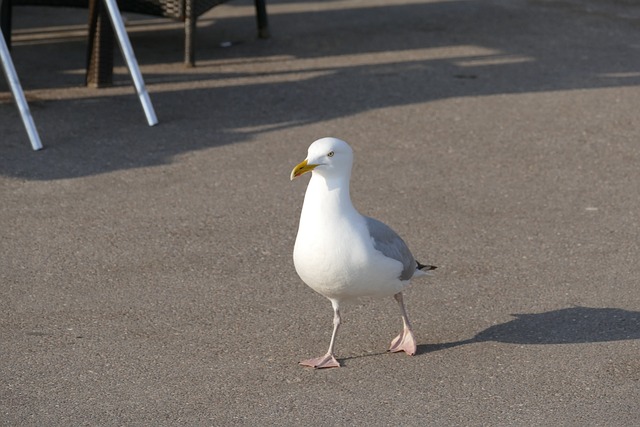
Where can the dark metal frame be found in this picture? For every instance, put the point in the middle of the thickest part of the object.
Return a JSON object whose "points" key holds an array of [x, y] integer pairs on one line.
{"points": [[101, 38]]}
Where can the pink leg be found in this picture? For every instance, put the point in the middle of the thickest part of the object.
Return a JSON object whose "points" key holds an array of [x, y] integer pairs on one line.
{"points": [[328, 360], [405, 341]]}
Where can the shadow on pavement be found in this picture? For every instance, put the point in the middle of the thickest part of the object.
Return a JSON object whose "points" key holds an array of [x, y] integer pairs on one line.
{"points": [[318, 66], [573, 325]]}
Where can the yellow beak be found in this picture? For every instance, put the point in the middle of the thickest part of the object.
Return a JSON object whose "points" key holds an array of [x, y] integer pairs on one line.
{"points": [[301, 169]]}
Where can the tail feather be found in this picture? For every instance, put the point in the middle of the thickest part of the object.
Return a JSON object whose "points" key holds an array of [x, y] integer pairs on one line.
{"points": [[425, 267]]}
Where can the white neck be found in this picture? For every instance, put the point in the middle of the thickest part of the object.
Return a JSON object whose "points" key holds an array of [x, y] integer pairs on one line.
{"points": [[328, 195]]}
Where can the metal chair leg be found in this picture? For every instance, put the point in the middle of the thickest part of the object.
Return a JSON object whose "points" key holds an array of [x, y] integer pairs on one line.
{"points": [[132, 63], [189, 34], [18, 94], [261, 15]]}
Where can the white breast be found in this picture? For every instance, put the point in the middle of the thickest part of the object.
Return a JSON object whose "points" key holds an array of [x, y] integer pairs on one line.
{"points": [[334, 255]]}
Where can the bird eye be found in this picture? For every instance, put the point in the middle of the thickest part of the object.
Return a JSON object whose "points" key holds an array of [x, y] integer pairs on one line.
{"points": [[331, 153]]}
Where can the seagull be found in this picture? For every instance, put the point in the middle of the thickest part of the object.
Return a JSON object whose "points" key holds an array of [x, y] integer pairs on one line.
{"points": [[344, 255]]}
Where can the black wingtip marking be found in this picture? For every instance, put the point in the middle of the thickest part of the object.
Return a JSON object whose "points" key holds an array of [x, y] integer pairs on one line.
{"points": [[425, 267]]}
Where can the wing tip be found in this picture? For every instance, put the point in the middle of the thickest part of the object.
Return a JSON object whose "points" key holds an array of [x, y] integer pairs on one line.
{"points": [[425, 267]]}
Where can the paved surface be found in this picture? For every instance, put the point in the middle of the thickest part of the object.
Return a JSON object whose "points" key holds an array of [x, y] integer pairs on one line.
{"points": [[146, 274]]}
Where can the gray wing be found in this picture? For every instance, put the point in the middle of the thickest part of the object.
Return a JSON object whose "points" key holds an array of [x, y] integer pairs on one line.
{"points": [[391, 245]]}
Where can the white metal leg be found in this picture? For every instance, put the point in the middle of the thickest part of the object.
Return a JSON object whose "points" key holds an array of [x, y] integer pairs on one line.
{"points": [[130, 58], [18, 94]]}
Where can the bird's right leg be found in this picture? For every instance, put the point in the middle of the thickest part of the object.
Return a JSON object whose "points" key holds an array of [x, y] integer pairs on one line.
{"points": [[328, 360]]}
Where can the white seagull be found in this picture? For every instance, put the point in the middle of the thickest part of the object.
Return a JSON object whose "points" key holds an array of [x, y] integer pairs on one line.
{"points": [[342, 254]]}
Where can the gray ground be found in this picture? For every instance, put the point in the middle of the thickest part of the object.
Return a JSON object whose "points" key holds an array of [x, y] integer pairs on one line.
{"points": [[146, 274]]}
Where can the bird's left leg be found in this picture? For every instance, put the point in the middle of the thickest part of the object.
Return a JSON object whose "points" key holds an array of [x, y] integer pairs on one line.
{"points": [[405, 341]]}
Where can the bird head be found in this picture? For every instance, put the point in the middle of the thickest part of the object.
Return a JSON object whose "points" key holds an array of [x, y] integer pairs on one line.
{"points": [[329, 157]]}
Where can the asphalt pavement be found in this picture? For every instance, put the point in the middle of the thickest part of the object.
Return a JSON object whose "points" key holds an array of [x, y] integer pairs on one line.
{"points": [[146, 274]]}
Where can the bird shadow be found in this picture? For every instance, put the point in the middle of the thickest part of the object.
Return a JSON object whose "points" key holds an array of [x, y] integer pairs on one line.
{"points": [[574, 325]]}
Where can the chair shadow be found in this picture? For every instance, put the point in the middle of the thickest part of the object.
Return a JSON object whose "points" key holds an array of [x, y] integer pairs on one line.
{"points": [[565, 326], [235, 95]]}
